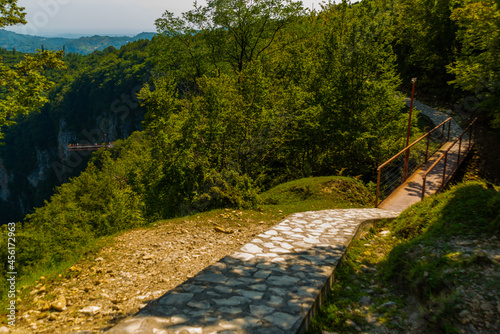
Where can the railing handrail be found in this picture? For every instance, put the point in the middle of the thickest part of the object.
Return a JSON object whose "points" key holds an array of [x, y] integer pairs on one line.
{"points": [[445, 156], [88, 147], [379, 169], [412, 144]]}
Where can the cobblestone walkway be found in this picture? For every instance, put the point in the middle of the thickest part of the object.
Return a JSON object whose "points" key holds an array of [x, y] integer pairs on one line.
{"points": [[270, 285], [437, 117]]}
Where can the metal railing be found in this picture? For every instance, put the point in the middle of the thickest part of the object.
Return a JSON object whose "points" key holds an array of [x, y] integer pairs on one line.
{"points": [[88, 147], [91, 147], [397, 176], [472, 128]]}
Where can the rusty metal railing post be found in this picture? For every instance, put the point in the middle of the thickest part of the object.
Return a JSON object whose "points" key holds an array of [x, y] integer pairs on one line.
{"points": [[379, 172], [442, 135], [424, 180], [444, 168], [427, 149], [449, 128]]}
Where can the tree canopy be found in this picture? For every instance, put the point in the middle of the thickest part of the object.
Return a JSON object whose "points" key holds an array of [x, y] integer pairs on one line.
{"points": [[222, 34], [477, 67], [23, 86]]}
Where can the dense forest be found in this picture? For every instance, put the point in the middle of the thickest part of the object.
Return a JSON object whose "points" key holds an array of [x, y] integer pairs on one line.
{"points": [[94, 96], [231, 99]]}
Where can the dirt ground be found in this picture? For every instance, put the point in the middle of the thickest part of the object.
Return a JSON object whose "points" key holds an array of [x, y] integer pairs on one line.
{"points": [[136, 267]]}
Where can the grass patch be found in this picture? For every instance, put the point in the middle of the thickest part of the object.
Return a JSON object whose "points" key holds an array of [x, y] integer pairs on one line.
{"points": [[436, 265], [318, 193], [360, 300], [468, 209], [447, 246]]}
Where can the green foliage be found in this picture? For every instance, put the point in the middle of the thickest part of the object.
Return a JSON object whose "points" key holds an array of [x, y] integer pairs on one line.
{"points": [[101, 201], [451, 41], [22, 87], [357, 89], [196, 145], [227, 189], [94, 96], [95, 204], [11, 13], [476, 68], [335, 189], [425, 41], [264, 114], [102, 86], [222, 36]]}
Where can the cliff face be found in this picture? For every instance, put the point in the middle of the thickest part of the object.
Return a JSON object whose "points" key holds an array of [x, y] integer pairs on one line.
{"points": [[32, 166], [4, 182], [42, 167]]}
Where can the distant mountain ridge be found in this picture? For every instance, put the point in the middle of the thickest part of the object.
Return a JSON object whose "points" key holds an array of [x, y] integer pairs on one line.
{"points": [[83, 45]]}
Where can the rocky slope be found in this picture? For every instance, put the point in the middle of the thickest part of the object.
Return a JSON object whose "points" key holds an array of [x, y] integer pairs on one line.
{"points": [[135, 268]]}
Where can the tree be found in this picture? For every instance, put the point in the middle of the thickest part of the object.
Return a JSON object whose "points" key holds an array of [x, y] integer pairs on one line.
{"points": [[11, 13], [425, 41], [477, 69], [22, 87], [222, 36], [357, 88]]}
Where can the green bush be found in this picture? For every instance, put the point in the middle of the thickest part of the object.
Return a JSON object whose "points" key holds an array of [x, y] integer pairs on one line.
{"points": [[226, 189], [334, 189]]}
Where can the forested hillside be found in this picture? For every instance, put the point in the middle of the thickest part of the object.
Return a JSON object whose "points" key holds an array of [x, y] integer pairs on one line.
{"points": [[84, 45], [234, 98], [94, 96]]}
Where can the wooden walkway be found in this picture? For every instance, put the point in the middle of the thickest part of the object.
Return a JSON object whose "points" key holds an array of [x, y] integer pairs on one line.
{"points": [[410, 192]]}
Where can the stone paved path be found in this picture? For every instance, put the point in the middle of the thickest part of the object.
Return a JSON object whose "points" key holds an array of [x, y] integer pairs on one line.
{"points": [[437, 117], [271, 285]]}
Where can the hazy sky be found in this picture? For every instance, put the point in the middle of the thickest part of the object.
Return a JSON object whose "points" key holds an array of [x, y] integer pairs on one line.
{"points": [[89, 17]]}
